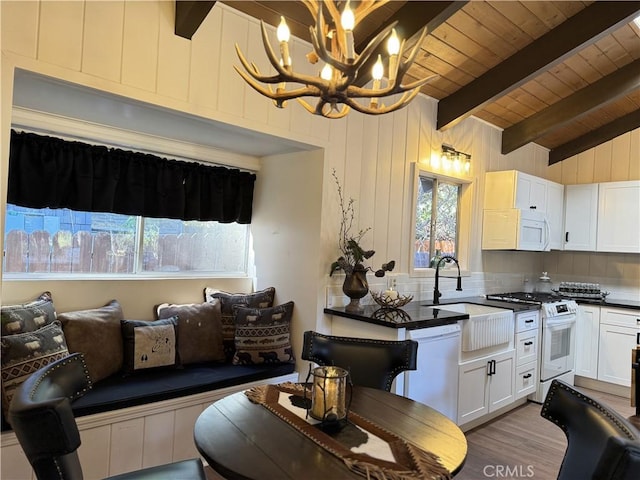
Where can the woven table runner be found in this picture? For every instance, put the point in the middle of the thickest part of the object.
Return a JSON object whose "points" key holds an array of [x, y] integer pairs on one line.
{"points": [[363, 446]]}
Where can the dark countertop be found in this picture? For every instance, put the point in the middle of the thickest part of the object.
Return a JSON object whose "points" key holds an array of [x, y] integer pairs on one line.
{"points": [[422, 314], [611, 302]]}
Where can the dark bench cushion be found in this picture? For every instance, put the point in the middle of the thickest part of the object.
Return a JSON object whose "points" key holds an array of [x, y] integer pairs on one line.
{"points": [[120, 391]]}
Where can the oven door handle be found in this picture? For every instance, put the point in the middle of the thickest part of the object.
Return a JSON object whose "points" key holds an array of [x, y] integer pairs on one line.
{"points": [[559, 325]]}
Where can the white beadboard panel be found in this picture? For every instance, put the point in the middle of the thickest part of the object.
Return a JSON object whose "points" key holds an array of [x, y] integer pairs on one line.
{"points": [[634, 155], [256, 106], [140, 44], [301, 120], [555, 172], [570, 170], [366, 197], [602, 170], [412, 142], [15, 465], [183, 444], [397, 234], [95, 451], [382, 208], [60, 39], [232, 89], [174, 57], [20, 27], [126, 446], [620, 152], [205, 60], [158, 439], [354, 155], [102, 46]]}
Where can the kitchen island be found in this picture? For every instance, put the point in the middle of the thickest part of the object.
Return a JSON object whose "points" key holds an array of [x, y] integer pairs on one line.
{"points": [[441, 335]]}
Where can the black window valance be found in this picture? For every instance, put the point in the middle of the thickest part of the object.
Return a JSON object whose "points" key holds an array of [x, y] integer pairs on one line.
{"points": [[51, 172]]}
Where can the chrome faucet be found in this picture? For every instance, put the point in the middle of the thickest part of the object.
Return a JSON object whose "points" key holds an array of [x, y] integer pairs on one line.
{"points": [[436, 292]]}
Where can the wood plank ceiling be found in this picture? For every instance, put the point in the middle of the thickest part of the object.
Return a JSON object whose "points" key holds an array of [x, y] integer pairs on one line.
{"points": [[562, 74]]}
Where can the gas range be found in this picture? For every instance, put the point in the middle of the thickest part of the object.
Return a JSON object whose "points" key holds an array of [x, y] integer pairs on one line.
{"points": [[524, 297], [551, 305]]}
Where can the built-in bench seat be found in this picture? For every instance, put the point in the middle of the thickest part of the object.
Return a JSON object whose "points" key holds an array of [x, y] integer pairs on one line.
{"points": [[120, 391], [145, 419]]}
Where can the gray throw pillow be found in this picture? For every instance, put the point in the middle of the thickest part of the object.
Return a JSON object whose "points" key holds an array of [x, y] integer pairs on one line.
{"points": [[199, 330]]}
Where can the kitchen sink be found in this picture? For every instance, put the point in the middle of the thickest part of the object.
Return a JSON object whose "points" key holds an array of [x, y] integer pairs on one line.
{"points": [[488, 329], [471, 309]]}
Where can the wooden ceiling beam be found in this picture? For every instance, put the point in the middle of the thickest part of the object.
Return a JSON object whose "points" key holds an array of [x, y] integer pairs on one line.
{"points": [[190, 15], [583, 29], [412, 17], [607, 132], [585, 100]]}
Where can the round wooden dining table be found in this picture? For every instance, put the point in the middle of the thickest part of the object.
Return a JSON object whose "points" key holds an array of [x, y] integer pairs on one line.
{"points": [[243, 440]]}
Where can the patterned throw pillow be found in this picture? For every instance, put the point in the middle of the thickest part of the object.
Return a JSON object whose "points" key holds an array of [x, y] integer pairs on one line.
{"points": [[28, 317], [199, 330], [263, 335], [96, 334], [260, 299], [24, 353], [149, 344]]}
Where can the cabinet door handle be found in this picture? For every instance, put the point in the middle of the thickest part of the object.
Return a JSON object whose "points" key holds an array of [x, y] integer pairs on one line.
{"points": [[528, 375], [528, 343], [532, 207], [638, 338], [528, 321], [566, 236], [489, 368]]}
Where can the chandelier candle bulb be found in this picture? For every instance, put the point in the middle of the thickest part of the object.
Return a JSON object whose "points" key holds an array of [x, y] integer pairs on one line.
{"points": [[393, 47], [327, 72], [376, 72], [283, 33], [348, 21], [332, 40]]}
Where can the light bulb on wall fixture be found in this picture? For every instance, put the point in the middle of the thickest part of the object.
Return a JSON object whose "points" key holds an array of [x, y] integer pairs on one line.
{"points": [[454, 159]]}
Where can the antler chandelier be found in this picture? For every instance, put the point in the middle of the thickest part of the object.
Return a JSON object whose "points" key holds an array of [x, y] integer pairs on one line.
{"points": [[337, 85]]}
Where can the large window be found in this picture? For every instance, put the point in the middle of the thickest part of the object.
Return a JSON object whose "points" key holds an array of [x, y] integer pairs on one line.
{"points": [[64, 241], [436, 220]]}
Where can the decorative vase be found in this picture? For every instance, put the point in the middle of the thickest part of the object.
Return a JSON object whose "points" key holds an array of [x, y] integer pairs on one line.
{"points": [[355, 287]]}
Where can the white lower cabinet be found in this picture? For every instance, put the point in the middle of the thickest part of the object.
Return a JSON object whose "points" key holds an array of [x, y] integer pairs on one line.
{"points": [[527, 351], [587, 341], [619, 332], [485, 385], [526, 379]]}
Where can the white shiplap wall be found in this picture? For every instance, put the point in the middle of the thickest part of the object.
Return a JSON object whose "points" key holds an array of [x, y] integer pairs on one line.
{"points": [[129, 49]]}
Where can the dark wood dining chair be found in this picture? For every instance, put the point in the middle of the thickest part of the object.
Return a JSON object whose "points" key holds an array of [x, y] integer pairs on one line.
{"points": [[371, 363], [601, 444], [41, 417]]}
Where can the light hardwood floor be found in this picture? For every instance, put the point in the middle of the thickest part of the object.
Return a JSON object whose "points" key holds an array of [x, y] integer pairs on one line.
{"points": [[519, 444], [522, 444]]}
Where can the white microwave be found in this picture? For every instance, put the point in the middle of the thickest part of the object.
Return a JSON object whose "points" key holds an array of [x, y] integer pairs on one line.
{"points": [[515, 229]]}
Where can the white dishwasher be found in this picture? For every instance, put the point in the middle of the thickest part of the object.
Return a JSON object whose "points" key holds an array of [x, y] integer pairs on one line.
{"points": [[435, 382]]}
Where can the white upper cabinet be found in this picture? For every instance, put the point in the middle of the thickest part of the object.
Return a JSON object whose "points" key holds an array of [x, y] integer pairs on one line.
{"points": [[531, 192], [514, 189], [580, 216], [555, 215], [619, 217], [510, 189]]}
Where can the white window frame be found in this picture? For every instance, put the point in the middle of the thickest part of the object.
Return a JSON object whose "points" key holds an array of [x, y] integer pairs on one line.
{"points": [[464, 218], [72, 129]]}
